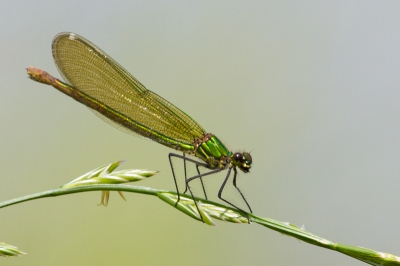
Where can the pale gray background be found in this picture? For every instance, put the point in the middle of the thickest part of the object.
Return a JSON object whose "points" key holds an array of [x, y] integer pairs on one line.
{"points": [[310, 87]]}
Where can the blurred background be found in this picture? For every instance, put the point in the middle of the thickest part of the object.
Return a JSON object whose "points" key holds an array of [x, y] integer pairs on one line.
{"points": [[310, 88]]}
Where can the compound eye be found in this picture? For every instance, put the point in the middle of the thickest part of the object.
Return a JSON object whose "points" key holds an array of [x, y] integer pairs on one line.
{"points": [[238, 157], [247, 157]]}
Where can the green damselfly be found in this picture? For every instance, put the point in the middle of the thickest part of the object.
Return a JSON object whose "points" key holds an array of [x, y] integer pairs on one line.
{"points": [[104, 86]]}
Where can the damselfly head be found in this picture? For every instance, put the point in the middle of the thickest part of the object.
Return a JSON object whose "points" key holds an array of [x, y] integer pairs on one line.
{"points": [[242, 160]]}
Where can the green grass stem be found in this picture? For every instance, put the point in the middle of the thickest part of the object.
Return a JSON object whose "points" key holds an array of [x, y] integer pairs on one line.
{"points": [[208, 209]]}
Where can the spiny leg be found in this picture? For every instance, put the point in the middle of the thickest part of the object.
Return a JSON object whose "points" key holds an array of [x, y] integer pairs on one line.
{"points": [[173, 175], [201, 181], [234, 184], [198, 172], [184, 168], [241, 194], [185, 159], [190, 190]]}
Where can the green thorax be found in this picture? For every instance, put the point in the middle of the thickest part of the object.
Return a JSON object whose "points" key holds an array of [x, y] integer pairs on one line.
{"points": [[211, 150]]}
